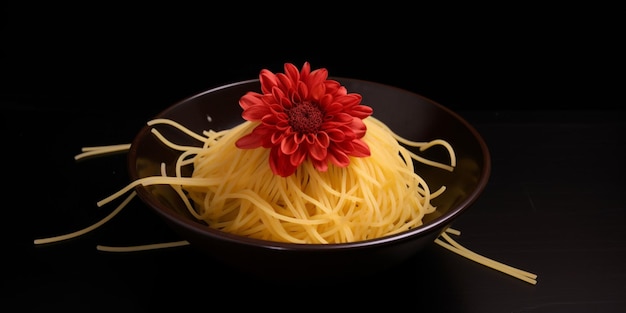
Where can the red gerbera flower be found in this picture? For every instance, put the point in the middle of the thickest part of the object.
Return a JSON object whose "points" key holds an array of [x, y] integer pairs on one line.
{"points": [[301, 115]]}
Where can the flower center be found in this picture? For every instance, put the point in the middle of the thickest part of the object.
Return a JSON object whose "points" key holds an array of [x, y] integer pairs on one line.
{"points": [[306, 117]]}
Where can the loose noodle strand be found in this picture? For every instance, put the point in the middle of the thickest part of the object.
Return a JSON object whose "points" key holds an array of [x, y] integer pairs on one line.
{"points": [[455, 247], [154, 246], [99, 150], [87, 229]]}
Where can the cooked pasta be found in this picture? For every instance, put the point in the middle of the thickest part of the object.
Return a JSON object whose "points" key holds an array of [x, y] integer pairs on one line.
{"points": [[444, 240], [234, 190]]}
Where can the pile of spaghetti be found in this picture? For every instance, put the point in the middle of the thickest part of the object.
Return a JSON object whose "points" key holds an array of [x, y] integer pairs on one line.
{"points": [[310, 165]]}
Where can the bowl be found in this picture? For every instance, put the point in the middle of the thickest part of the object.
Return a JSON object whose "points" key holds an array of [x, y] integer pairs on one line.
{"points": [[410, 115]]}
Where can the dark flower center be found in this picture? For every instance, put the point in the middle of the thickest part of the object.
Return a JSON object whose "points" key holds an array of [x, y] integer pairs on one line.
{"points": [[306, 117]]}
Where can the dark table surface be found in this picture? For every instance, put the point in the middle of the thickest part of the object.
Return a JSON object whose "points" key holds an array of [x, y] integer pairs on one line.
{"points": [[554, 206], [549, 110]]}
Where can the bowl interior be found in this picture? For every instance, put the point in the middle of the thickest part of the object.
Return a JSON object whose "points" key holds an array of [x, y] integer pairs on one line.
{"points": [[408, 114]]}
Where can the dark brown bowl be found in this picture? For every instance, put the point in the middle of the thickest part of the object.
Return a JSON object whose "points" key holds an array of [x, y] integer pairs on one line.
{"points": [[408, 114]]}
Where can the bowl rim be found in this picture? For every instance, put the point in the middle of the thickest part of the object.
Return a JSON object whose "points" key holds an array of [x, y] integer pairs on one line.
{"points": [[438, 224]]}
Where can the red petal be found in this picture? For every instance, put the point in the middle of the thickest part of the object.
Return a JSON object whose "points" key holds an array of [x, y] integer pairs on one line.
{"points": [[270, 119], [334, 87], [361, 149], [291, 72], [302, 92], [297, 158], [288, 145], [361, 111], [255, 113], [268, 81], [346, 146], [280, 164], [275, 138], [282, 125], [317, 91], [277, 109], [358, 127], [249, 141], [299, 138], [332, 109], [326, 102], [306, 70], [317, 151], [262, 134], [323, 139], [340, 134], [318, 77], [350, 100], [338, 158], [278, 94], [250, 99], [285, 82], [335, 134], [321, 165], [284, 102], [348, 130], [310, 138], [343, 117]]}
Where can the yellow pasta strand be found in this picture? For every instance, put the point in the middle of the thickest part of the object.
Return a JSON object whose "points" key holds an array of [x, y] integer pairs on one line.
{"points": [[153, 246], [101, 150], [445, 241], [89, 228]]}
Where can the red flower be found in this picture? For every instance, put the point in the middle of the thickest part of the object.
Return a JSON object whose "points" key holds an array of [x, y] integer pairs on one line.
{"points": [[301, 115]]}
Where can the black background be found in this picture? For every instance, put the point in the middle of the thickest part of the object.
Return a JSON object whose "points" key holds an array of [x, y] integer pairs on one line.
{"points": [[464, 57], [541, 84]]}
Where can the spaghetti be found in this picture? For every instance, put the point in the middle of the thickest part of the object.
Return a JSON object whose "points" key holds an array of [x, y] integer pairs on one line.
{"points": [[234, 191], [444, 240]]}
